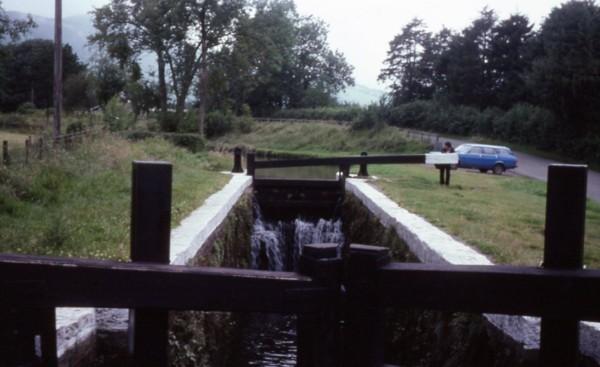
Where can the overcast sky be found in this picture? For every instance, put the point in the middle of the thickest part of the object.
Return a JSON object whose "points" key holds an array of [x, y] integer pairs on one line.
{"points": [[360, 29]]}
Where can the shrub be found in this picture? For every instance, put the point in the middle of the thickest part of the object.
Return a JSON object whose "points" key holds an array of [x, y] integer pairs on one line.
{"points": [[26, 108], [218, 123], [192, 142], [368, 119], [117, 115]]}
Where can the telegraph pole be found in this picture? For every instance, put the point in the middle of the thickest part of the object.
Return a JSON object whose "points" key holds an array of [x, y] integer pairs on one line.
{"points": [[58, 68]]}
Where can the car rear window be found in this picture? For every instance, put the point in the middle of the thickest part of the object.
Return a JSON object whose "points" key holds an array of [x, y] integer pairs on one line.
{"points": [[490, 151]]}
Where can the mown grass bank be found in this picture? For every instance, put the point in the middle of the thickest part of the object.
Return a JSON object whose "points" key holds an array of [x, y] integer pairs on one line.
{"points": [[77, 203], [319, 139], [502, 216]]}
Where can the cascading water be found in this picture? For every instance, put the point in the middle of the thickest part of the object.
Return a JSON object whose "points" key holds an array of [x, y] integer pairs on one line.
{"points": [[270, 340], [277, 246]]}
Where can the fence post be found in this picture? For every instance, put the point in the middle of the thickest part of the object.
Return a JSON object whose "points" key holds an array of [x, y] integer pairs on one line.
{"points": [[40, 148], [362, 172], [237, 160], [563, 249], [150, 242], [250, 157], [364, 333], [5, 156], [318, 334], [27, 147]]}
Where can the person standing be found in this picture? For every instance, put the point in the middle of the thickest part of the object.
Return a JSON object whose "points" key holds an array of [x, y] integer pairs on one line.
{"points": [[445, 168]]}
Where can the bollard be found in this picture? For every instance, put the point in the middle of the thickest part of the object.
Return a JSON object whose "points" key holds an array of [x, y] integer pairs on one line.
{"points": [[362, 172], [150, 243], [250, 156], [345, 169], [318, 334], [563, 249], [364, 333], [5, 156], [237, 160]]}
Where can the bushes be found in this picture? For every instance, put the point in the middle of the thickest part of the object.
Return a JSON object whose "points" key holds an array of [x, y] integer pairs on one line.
{"points": [[368, 119], [192, 142], [218, 123], [117, 115], [342, 113]]}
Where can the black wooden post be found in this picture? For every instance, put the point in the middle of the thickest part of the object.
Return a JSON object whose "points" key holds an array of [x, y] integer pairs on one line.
{"points": [[565, 231], [27, 148], [5, 156], [237, 160], [362, 172], [150, 242], [40, 148], [250, 157], [48, 336], [364, 333], [345, 169], [318, 334]]}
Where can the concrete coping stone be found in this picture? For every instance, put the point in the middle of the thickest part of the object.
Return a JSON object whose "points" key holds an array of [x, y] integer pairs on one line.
{"points": [[432, 245]]}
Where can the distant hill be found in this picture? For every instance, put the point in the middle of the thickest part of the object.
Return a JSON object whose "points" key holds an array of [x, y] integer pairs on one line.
{"points": [[76, 29], [360, 94]]}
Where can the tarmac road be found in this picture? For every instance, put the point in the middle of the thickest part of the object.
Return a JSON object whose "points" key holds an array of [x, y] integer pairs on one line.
{"points": [[537, 168]]}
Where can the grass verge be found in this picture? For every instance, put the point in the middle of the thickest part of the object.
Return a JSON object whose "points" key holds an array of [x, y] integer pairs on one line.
{"points": [[502, 216], [77, 203], [313, 139]]}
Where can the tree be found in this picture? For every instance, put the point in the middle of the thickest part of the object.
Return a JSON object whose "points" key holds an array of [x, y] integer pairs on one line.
{"points": [[181, 33], [278, 60], [565, 77], [29, 68], [510, 59], [13, 29], [470, 72], [404, 66]]}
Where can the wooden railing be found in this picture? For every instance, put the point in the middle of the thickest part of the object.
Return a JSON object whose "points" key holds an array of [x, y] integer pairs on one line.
{"points": [[33, 149], [344, 163], [326, 291]]}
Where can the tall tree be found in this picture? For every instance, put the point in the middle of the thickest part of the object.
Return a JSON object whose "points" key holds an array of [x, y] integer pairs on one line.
{"points": [[279, 60], [510, 59], [566, 77], [404, 66], [29, 69], [181, 34]]}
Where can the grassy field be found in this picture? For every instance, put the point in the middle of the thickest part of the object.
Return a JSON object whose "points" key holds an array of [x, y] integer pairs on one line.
{"points": [[320, 139], [502, 216], [77, 203]]}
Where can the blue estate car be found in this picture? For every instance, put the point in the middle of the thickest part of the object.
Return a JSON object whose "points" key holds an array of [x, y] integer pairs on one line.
{"points": [[486, 157]]}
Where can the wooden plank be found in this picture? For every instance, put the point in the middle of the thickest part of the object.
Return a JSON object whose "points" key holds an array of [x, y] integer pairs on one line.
{"points": [[343, 161], [563, 249], [492, 289], [27, 281]]}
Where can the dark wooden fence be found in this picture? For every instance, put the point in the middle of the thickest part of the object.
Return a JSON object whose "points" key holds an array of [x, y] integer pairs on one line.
{"points": [[37, 148], [327, 290]]}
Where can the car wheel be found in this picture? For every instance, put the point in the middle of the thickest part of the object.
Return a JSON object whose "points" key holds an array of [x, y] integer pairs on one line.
{"points": [[483, 170], [498, 169]]}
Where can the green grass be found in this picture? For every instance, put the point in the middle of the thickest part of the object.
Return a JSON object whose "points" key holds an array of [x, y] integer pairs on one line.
{"points": [[502, 216], [314, 139], [77, 203]]}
